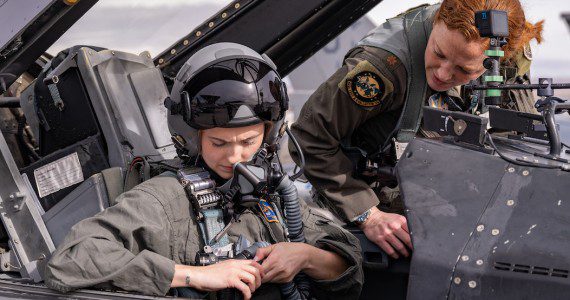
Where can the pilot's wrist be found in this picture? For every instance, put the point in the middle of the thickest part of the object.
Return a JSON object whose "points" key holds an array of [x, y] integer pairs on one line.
{"points": [[363, 217], [185, 276]]}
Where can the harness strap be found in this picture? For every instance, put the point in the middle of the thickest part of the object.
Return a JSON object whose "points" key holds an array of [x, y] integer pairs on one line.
{"points": [[200, 190], [416, 31], [113, 178]]}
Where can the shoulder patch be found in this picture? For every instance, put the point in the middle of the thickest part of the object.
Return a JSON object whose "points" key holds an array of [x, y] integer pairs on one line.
{"points": [[267, 211], [365, 85]]}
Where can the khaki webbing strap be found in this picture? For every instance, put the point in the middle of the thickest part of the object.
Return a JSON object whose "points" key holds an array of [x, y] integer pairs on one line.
{"points": [[416, 31], [113, 178]]}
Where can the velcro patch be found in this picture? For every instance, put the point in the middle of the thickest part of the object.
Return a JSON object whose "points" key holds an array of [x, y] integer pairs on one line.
{"points": [[267, 211], [365, 85]]}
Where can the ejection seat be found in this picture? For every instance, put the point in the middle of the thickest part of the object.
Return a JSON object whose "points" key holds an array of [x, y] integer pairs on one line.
{"points": [[91, 197], [94, 112], [102, 109]]}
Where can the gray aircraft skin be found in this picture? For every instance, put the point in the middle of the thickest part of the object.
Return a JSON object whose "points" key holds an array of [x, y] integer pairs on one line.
{"points": [[497, 231]]}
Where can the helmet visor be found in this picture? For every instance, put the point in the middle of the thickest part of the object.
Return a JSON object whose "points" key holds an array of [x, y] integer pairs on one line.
{"points": [[222, 90]]}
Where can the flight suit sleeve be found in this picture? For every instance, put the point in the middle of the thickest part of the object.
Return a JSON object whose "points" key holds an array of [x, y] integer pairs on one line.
{"points": [[332, 114], [323, 233], [109, 250]]}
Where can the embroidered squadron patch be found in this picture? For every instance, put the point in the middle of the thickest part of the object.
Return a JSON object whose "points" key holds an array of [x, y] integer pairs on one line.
{"points": [[365, 88], [267, 211], [365, 85]]}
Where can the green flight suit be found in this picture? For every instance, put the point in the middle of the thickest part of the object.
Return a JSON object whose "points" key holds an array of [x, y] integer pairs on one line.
{"points": [[359, 106], [134, 245]]}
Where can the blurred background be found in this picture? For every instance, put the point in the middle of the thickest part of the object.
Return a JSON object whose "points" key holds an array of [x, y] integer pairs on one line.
{"points": [[150, 25], [139, 25]]}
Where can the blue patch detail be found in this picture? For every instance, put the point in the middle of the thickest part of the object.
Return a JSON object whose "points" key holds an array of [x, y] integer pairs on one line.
{"points": [[267, 211]]}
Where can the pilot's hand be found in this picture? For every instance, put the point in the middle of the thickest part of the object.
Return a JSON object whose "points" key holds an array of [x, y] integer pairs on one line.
{"points": [[244, 275], [282, 261], [388, 231]]}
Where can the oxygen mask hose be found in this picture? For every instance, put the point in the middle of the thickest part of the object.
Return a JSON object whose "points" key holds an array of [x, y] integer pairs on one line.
{"points": [[251, 182], [300, 288], [299, 151], [288, 192]]}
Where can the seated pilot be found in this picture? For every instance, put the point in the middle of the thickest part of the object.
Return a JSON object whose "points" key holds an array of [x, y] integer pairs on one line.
{"points": [[224, 102]]}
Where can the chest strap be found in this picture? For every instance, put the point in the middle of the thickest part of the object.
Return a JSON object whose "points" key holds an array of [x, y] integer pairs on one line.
{"points": [[417, 32], [206, 203]]}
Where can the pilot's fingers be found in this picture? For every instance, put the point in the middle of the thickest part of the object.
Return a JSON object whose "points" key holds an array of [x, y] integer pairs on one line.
{"points": [[271, 261], [405, 225], [387, 248], [279, 275], [398, 245], [270, 275], [256, 265], [262, 253], [404, 236], [255, 272], [242, 287], [248, 279]]}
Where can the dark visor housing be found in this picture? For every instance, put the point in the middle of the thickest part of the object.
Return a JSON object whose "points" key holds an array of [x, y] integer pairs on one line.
{"points": [[214, 97]]}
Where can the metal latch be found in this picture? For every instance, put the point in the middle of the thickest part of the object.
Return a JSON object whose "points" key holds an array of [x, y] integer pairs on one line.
{"points": [[400, 148]]}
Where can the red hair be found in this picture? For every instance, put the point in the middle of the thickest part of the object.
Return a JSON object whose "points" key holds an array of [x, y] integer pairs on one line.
{"points": [[460, 15]]}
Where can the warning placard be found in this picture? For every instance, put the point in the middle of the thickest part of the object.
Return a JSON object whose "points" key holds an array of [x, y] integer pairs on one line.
{"points": [[58, 175]]}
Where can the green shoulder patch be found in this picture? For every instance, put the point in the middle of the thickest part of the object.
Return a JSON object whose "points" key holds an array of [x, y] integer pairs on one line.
{"points": [[365, 85]]}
